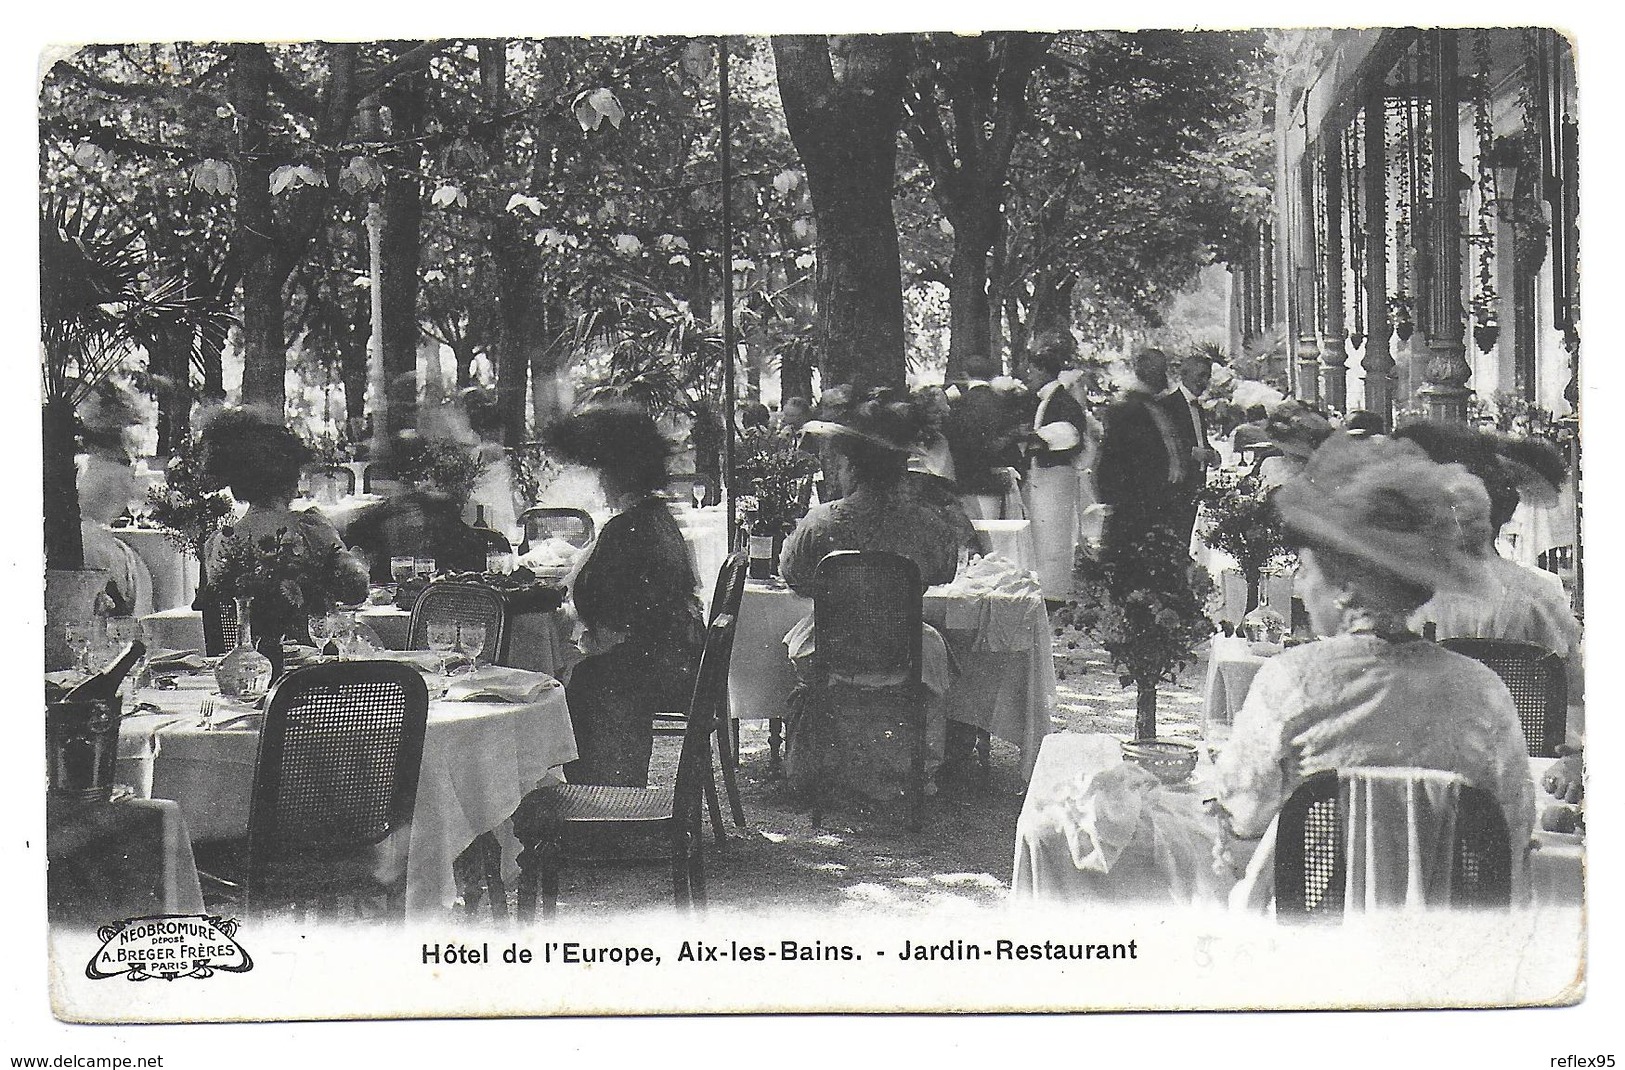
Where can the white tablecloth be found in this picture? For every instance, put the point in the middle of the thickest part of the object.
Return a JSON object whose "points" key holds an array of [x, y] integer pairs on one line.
{"points": [[1012, 540], [174, 572], [1044, 867], [479, 761], [1006, 683], [706, 532]]}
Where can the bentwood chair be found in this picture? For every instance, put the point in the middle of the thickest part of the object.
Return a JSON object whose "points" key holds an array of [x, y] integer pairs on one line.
{"points": [[725, 601], [336, 776], [1538, 683], [1312, 850], [542, 522], [866, 632], [339, 479], [219, 625], [578, 822]]}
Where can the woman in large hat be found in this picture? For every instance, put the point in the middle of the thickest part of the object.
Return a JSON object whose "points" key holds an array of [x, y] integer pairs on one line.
{"points": [[635, 594], [1379, 529], [865, 444]]}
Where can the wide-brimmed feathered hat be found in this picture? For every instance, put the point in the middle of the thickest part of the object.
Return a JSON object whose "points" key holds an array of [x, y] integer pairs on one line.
{"points": [[882, 418], [1295, 430], [1383, 501]]}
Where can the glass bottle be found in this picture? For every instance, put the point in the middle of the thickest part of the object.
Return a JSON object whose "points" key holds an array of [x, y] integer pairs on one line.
{"points": [[244, 673]]}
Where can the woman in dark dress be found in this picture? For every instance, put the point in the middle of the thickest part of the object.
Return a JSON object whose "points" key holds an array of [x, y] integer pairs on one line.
{"points": [[635, 594]]}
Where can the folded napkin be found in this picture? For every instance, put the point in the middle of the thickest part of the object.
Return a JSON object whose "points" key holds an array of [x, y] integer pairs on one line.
{"points": [[551, 553], [1121, 817], [497, 683], [175, 661]]}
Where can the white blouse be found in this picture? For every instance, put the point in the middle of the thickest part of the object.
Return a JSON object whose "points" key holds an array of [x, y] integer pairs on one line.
{"points": [[1359, 700]]}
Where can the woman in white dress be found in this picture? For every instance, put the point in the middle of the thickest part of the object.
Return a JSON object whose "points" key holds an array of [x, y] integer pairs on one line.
{"points": [[1376, 523]]}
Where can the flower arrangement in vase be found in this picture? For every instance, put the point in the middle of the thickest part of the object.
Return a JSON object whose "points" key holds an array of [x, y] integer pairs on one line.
{"points": [[1238, 519], [772, 476], [277, 581]]}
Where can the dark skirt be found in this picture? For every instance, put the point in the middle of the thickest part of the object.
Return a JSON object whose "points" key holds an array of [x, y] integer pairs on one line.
{"points": [[612, 698]]}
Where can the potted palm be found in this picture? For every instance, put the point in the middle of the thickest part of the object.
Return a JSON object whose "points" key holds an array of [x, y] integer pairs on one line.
{"points": [[99, 304]]}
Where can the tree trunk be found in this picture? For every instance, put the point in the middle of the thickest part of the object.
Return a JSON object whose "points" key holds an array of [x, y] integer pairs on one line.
{"points": [[516, 274], [970, 343], [845, 130], [264, 352], [1145, 709], [1254, 582], [64, 545], [402, 247]]}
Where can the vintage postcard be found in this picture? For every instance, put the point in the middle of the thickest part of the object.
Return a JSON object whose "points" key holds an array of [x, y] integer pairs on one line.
{"points": [[1058, 520]]}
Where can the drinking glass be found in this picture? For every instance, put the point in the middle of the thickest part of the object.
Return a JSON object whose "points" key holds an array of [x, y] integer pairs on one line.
{"points": [[322, 629], [344, 631], [471, 642], [498, 562], [442, 640], [123, 630], [79, 636], [402, 569], [698, 491], [424, 567]]}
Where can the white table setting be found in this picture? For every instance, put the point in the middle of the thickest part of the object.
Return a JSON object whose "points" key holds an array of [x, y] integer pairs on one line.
{"points": [[494, 736]]}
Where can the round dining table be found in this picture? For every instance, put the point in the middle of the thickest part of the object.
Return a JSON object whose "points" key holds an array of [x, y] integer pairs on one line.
{"points": [[480, 759]]}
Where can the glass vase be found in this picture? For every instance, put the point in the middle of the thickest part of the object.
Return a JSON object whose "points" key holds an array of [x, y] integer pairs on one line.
{"points": [[244, 673]]}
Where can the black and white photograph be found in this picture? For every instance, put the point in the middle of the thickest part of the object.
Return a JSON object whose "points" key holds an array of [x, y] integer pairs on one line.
{"points": [[956, 520]]}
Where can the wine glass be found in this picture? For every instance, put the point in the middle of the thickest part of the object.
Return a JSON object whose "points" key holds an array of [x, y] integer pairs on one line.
{"points": [[442, 640], [698, 490], [322, 630], [344, 630], [402, 569], [471, 642]]}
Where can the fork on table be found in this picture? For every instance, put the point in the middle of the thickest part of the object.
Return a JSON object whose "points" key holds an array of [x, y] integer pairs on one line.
{"points": [[206, 712]]}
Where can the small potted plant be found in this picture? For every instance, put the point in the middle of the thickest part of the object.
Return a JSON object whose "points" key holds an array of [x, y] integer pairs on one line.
{"points": [[1147, 609]]}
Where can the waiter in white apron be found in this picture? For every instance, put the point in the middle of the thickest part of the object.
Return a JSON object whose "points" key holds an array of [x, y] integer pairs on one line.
{"points": [[1053, 451]]}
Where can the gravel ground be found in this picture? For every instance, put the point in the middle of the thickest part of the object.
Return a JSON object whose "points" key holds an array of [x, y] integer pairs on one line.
{"points": [[866, 859]]}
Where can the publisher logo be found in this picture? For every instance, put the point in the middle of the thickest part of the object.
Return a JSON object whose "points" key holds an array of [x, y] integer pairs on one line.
{"points": [[169, 946]]}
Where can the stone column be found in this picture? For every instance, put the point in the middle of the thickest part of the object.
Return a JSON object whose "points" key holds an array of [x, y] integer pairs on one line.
{"points": [[1378, 361], [1333, 348], [1445, 390]]}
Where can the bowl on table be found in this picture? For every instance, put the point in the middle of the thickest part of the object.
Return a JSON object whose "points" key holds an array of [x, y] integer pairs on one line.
{"points": [[1171, 761]]}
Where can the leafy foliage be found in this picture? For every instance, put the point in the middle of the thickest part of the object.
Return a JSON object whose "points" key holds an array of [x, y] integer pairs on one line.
{"points": [[772, 474], [282, 569], [1239, 519], [187, 505], [452, 467], [1148, 612], [99, 304]]}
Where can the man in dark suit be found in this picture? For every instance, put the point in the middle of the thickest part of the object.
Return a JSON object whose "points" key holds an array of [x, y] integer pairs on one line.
{"points": [[1141, 470], [1180, 402]]}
